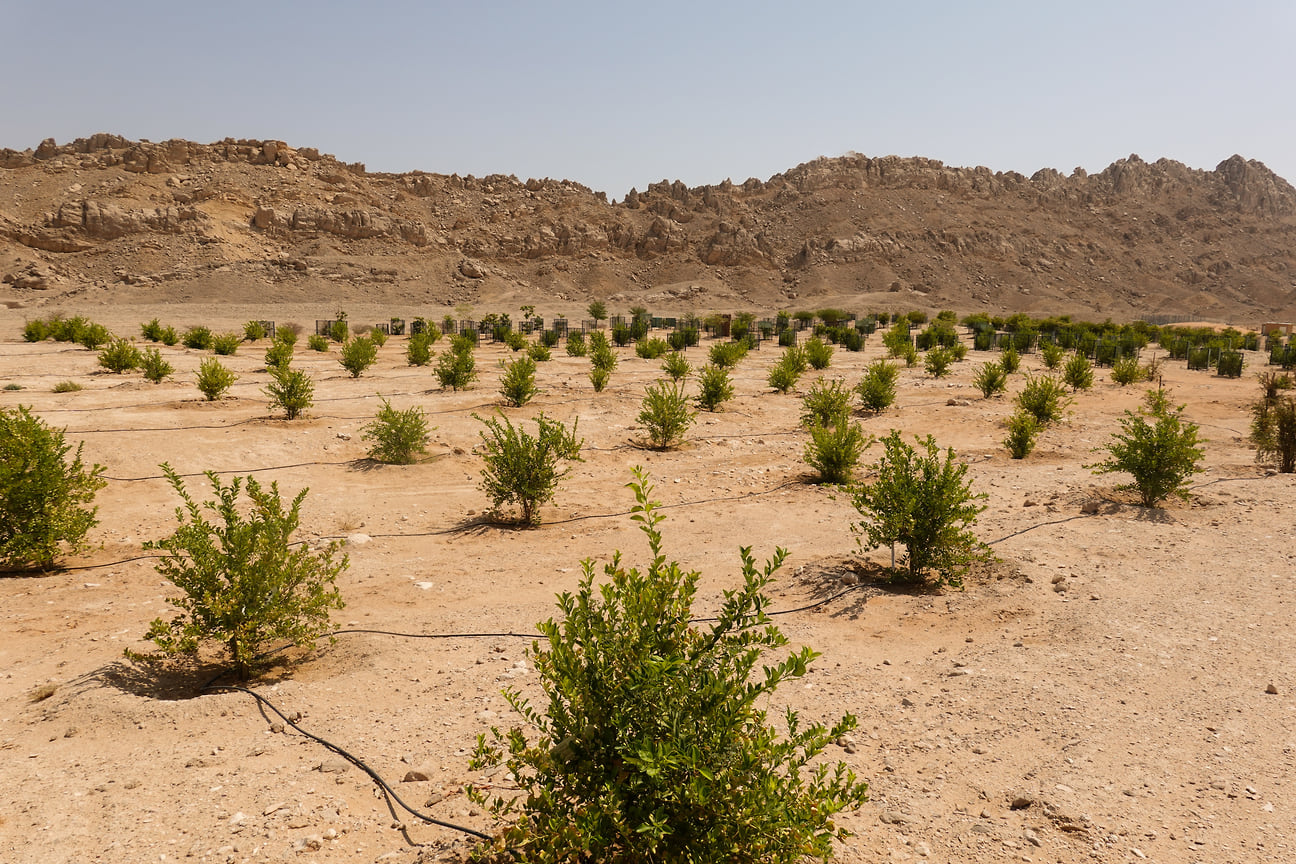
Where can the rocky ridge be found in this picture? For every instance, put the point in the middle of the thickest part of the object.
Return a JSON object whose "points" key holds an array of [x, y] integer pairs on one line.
{"points": [[111, 219]]}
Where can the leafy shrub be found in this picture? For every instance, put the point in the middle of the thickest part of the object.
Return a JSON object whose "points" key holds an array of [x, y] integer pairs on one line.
{"points": [[1052, 353], [1230, 364], [278, 355], [654, 745], [152, 331], [818, 353], [877, 390], [316, 342], [523, 469], [399, 437], [990, 379], [1044, 398], [517, 384], [576, 346], [727, 354], [13, 385], [44, 497], [1010, 360], [1273, 432], [784, 375], [599, 377], [290, 390], [338, 330], [597, 310], [66, 387], [714, 387], [199, 338], [539, 352], [601, 354], [93, 336], [418, 351], [226, 344], [1023, 429], [958, 351], [897, 340], [155, 368], [1126, 370], [938, 362], [824, 403], [214, 379], [651, 349], [835, 448], [244, 582], [677, 366], [1078, 372], [665, 414], [36, 331], [621, 335], [377, 337], [252, 331], [457, 368], [925, 503], [516, 340], [358, 354], [119, 356], [1160, 455]]}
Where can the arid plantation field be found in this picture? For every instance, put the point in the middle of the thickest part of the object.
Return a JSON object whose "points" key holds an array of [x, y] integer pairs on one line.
{"points": [[1116, 687]]}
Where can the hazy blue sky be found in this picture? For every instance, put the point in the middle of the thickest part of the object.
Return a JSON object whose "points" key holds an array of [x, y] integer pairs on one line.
{"points": [[616, 94]]}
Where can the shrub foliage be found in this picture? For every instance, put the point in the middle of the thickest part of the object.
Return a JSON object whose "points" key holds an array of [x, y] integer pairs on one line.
{"points": [[1157, 447], [522, 469]]}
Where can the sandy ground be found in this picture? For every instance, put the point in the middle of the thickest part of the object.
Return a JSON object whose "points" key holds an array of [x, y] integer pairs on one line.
{"points": [[1110, 672]]}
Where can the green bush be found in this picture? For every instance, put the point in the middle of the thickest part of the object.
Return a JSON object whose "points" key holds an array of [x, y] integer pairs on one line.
{"points": [[226, 344], [834, 449], [399, 437], [601, 354], [244, 582], [1078, 372], [516, 340], [958, 351], [252, 331], [818, 353], [44, 498], [67, 387], [1010, 360], [938, 362], [377, 337], [278, 356], [457, 368], [152, 331], [199, 338], [290, 390], [119, 356], [358, 354], [1126, 370], [1230, 364], [316, 342], [1023, 429], [214, 379], [539, 352], [824, 403], [155, 368], [338, 329], [714, 387], [665, 414], [655, 743], [418, 351], [522, 469], [93, 336], [36, 331], [597, 310], [1156, 446], [1273, 431], [1044, 398], [925, 503], [727, 354], [576, 346], [517, 384], [990, 379], [877, 390], [677, 366], [651, 349]]}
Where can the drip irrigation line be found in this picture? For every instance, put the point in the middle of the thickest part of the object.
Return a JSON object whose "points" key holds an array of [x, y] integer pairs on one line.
{"points": [[228, 471], [1041, 525], [353, 759]]}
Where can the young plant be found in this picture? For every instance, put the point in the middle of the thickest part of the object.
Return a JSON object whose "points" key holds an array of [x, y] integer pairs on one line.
{"points": [[290, 390], [120, 355], [93, 336], [818, 353], [226, 344], [44, 498], [576, 346], [727, 354], [877, 390], [824, 403], [522, 469], [539, 352], [1052, 353], [1023, 429], [714, 387], [1126, 370], [1078, 372], [924, 502], [457, 368], [198, 338], [245, 583], [1157, 447], [677, 366], [938, 362], [665, 414], [1010, 360], [655, 743], [316, 342], [66, 387], [378, 337], [834, 449], [358, 354], [214, 379], [278, 356], [152, 331], [597, 310], [1044, 398], [651, 349], [252, 331], [517, 384], [990, 379], [418, 351], [1273, 432], [154, 367], [399, 437]]}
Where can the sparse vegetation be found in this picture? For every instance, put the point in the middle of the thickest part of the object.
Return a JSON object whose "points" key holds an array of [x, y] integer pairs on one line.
{"points": [[214, 379], [120, 355], [1157, 447], [877, 390], [66, 387], [154, 367], [399, 436], [522, 469], [517, 384], [358, 354], [665, 414], [290, 390], [834, 449], [714, 387]]}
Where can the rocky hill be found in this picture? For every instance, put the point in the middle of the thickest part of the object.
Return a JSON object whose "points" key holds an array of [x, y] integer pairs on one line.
{"points": [[105, 219]]}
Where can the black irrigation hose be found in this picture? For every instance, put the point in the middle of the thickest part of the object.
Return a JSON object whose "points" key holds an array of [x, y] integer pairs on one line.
{"points": [[228, 471], [354, 760]]}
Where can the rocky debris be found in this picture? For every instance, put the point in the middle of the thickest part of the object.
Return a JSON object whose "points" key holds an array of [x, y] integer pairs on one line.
{"points": [[33, 276], [108, 221], [352, 224]]}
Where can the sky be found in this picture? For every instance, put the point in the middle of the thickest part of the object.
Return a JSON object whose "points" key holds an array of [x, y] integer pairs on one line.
{"points": [[617, 95]]}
